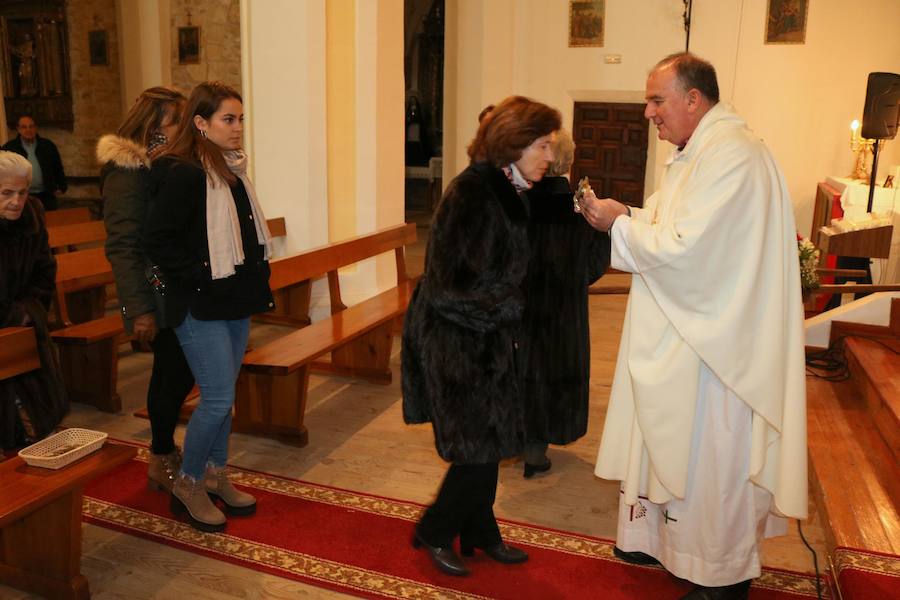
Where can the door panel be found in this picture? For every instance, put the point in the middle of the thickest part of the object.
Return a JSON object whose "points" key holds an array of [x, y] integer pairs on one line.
{"points": [[611, 149]]}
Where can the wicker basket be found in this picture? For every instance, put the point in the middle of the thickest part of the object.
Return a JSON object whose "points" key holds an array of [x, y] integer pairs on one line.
{"points": [[63, 448]]}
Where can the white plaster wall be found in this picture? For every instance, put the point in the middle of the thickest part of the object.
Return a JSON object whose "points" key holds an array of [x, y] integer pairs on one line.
{"points": [[799, 98], [503, 47]]}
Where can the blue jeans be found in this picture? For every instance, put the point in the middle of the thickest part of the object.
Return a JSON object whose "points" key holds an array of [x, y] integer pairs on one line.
{"points": [[214, 351]]}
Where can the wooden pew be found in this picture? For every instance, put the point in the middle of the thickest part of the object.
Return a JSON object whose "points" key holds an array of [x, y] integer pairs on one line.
{"points": [[89, 359], [40, 522], [40, 510], [67, 216], [88, 340], [273, 384], [62, 237], [81, 278], [18, 351], [65, 237]]}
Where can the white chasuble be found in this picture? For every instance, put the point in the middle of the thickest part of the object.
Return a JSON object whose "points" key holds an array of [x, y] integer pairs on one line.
{"points": [[716, 285]]}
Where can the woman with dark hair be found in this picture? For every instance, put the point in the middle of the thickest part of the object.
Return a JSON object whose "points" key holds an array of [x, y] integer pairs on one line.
{"points": [[567, 255], [461, 330], [125, 185], [207, 237], [31, 404]]}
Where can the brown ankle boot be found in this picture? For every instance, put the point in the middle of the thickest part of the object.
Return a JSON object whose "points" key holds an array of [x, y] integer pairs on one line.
{"points": [[190, 497], [237, 503], [162, 469]]}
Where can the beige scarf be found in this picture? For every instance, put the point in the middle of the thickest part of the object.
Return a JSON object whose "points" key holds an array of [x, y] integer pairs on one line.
{"points": [[226, 249]]}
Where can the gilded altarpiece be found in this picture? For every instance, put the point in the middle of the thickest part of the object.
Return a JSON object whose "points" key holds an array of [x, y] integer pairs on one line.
{"points": [[35, 61]]}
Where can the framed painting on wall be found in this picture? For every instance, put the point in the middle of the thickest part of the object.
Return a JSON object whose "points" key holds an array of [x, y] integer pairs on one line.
{"points": [[786, 21], [587, 19], [188, 45], [97, 48]]}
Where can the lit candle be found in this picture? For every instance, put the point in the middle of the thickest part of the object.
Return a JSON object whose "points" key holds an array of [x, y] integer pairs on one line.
{"points": [[854, 131]]}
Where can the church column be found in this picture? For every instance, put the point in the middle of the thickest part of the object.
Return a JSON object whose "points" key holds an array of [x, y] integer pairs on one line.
{"points": [[365, 100], [145, 44], [283, 82]]}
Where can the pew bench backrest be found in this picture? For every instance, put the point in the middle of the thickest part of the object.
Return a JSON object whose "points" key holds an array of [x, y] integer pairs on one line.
{"points": [[67, 216], [63, 236], [18, 351], [77, 271]]}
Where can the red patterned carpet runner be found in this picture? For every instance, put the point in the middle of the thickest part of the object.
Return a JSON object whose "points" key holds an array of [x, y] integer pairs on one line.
{"points": [[867, 575], [360, 544]]}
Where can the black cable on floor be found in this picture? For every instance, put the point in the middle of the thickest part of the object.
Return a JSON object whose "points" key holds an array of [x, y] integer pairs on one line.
{"points": [[831, 360], [815, 561]]}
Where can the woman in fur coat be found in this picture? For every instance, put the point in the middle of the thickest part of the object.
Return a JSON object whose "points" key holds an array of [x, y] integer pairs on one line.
{"points": [[31, 404], [125, 185], [567, 255], [463, 325]]}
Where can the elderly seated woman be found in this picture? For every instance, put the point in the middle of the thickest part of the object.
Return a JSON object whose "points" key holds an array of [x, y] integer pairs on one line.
{"points": [[32, 404]]}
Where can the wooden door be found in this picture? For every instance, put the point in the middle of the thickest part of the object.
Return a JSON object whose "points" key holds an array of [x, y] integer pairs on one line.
{"points": [[611, 149]]}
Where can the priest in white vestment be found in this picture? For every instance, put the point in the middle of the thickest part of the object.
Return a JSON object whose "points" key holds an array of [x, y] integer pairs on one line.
{"points": [[706, 425]]}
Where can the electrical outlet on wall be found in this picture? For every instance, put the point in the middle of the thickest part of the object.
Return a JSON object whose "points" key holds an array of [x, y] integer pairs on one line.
{"points": [[612, 59]]}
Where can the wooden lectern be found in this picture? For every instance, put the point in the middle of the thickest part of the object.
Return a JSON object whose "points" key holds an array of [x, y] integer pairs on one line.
{"points": [[866, 243]]}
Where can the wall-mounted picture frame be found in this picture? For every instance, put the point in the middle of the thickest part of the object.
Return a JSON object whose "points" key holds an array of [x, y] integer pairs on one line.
{"points": [[587, 20], [188, 45], [98, 48], [786, 21]]}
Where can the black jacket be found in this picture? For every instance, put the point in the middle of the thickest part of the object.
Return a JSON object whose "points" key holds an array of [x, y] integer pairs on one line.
{"points": [[27, 282], [47, 157], [459, 360], [567, 255], [175, 239]]}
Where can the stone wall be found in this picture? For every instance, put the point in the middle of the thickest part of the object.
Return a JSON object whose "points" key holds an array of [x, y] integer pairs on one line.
{"points": [[96, 101], [220, 42]]}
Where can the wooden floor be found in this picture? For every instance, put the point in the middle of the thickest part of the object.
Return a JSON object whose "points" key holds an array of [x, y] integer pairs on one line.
{"points": [[358, 441]]}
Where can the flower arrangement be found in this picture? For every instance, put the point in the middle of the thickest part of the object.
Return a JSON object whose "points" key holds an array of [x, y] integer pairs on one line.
{"points": [[809, 260]]}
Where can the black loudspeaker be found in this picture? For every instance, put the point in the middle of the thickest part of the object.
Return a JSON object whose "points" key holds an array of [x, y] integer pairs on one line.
{"points": [[882, 110]]}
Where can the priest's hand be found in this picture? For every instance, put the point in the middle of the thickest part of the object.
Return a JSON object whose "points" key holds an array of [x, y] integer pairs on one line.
{"points": [[601, 213]]}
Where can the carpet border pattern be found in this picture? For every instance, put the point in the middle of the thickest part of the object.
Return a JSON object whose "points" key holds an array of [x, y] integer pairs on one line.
{"points": [[871, 562]]}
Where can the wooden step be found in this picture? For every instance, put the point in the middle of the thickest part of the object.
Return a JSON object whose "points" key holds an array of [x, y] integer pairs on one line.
{"points": [[855, 476], [875, 371]]}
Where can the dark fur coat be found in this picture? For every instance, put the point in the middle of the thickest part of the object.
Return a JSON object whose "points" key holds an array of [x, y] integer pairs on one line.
{"points": [[464, 320], [567, 255], [27, 281]]}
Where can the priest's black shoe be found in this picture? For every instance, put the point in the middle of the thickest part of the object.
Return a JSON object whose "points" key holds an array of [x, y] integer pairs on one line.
{"points": [[737, 591], [635, 558], [530, 469], [499, 552], [445, 559]]}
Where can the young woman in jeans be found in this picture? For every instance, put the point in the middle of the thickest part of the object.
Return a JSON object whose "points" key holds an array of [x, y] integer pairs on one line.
{"points": [[207, 236]]}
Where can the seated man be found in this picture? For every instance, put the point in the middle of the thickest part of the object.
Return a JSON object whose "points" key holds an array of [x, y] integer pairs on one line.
{"points": [[48, 179]]}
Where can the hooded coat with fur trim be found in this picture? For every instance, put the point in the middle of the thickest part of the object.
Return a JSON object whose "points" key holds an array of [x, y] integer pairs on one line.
{"points": [[464, 319], [124, 184]]}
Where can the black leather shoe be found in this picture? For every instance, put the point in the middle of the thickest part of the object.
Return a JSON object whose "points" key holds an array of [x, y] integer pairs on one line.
{"points": [[445, 559], [530, 469], [499, 552], [634, 558], [737, 591]]}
